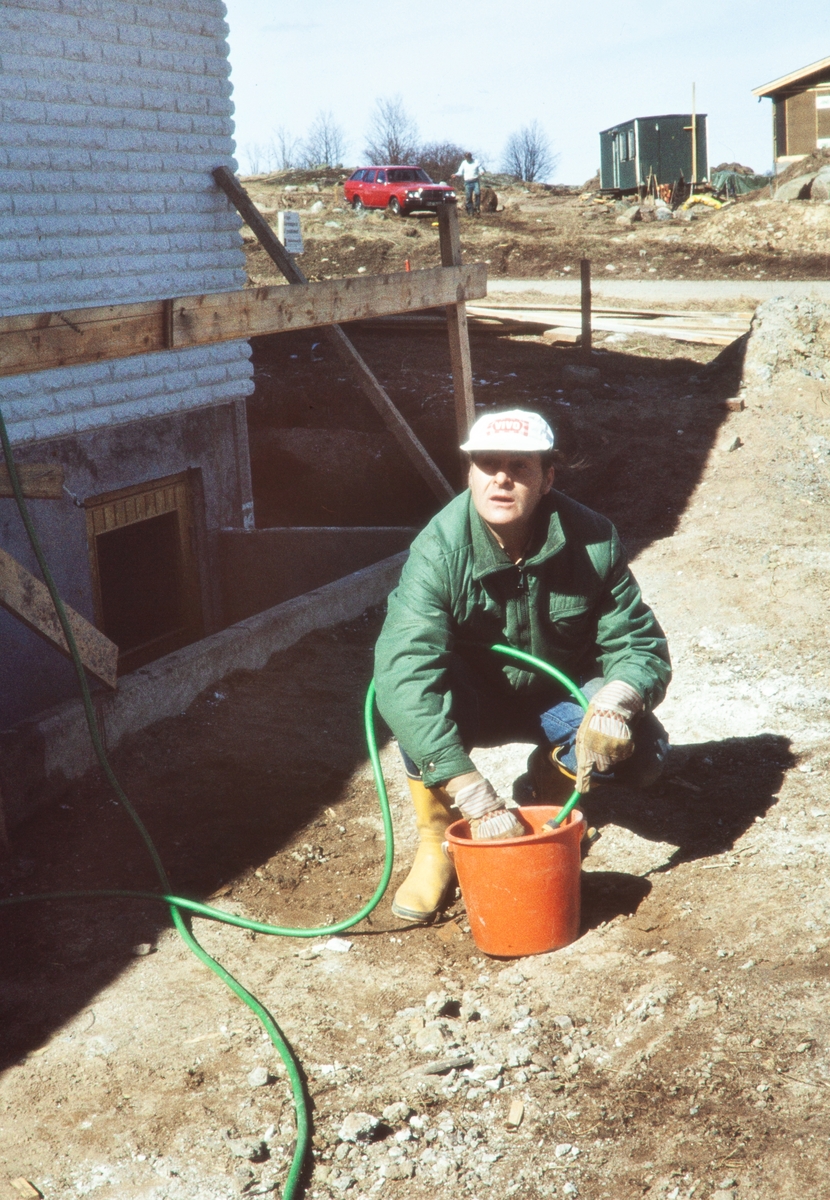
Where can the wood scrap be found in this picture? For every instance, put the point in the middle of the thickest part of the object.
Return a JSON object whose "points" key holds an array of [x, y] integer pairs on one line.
{"points": [[25, 597]]}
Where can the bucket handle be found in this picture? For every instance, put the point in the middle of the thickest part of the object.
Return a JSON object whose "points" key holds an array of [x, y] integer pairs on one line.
{"points": [[447, 849]]}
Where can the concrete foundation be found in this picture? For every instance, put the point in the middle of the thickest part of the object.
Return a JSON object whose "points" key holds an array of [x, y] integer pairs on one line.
{"points": [[263, 567], [204, 443], [41, 756]]}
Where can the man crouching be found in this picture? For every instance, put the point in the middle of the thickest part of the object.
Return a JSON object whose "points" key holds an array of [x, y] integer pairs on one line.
{"points": [[511, 560]]}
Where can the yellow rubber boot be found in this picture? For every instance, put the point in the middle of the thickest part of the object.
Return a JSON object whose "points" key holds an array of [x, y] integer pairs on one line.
{"points": [[423, 892], [552, 783]]}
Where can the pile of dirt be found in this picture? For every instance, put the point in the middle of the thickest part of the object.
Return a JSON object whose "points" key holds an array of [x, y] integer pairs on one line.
{"points": [[810, 164], [767, 228], [788, 349], [738, 168]]}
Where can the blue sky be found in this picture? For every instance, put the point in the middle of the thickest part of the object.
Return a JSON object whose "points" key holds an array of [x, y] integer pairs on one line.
{"points": [[474, 72]]}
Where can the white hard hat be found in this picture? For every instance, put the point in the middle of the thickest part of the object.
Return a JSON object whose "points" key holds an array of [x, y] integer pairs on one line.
{"points": [[512, 431]]}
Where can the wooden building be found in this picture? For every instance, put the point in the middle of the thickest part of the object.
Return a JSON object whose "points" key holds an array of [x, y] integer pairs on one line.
{"points": [[661, 146], [800, 112]]}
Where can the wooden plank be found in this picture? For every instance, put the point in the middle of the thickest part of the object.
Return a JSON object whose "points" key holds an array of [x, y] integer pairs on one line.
{"points": [[714, 332], [493, 306], [337, 339], [246, 208], [199, 320], [38, 481], [462, 371], [392, 419], [44, 341], [26, 598]]}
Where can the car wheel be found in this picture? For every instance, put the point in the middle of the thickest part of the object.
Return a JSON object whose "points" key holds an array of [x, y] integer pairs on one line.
{"points": [[395, 207], [357, 204]]}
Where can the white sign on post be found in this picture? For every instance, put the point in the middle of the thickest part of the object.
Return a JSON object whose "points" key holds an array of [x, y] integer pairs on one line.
{"points": [[289, 231]]}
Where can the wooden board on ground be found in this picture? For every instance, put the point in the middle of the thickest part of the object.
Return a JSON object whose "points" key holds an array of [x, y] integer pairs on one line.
{"points": [[26, 598], [568, 337], [38, 481], [713, 329]]}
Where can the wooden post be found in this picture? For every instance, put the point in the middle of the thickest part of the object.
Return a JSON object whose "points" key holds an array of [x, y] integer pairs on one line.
{"points": [[335, 337], [694, 138], [462, 371], [585, 276]]}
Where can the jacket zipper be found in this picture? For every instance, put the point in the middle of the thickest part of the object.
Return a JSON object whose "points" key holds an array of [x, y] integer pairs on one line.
{"points": [[523, 610]]}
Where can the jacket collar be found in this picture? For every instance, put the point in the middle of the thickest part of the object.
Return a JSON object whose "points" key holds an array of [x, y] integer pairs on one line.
{"points": [[488, 556]]}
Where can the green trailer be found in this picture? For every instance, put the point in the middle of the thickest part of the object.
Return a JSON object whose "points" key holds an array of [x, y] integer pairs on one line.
{"points": [[660, 146]]}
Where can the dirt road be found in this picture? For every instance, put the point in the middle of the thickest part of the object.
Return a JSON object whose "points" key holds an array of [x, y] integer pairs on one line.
{"points": [[667, 291]]}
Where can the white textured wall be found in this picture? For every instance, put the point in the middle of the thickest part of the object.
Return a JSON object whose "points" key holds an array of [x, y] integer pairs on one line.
{"points": [[112, 116]]}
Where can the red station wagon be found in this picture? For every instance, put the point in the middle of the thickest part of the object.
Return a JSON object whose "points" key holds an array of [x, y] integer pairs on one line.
{"points": [[400, 189]]}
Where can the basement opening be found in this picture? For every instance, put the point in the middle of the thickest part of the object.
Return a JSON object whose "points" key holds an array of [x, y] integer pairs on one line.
{"points": [[144, 570]]}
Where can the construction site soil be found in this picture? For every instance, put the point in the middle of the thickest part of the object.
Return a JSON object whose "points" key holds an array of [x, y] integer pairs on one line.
{"points": [[681, 1046], [540, 232]]}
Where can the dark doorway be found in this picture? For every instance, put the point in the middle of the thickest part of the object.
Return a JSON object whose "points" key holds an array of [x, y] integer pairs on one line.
{"points": [[140, 573], [144, 570]]}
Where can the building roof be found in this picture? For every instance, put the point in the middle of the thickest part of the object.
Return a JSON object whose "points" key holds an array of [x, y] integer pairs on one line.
{"points": [[656, 117], [777, 85]]}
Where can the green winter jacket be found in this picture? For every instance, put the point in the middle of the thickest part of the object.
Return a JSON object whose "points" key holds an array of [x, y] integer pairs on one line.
{"points": [[573, 602]]}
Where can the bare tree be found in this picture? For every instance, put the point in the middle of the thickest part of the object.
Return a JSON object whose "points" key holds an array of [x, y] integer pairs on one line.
{"points": [[285, 150], [528, 154], [255, 155], [325, 144], [439, 159], [393, 134]]}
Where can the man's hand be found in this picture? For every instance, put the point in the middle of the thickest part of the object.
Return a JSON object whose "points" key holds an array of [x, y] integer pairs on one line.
{"points": [[604, 737], [477, 800]]}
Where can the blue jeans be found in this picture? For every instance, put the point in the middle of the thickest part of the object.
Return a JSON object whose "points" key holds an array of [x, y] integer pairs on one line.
{"points": [[472, 195], [555, 726]]}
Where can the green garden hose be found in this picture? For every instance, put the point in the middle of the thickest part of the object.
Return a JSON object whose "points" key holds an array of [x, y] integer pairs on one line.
{"points": [[179, 904], [556, 674]]}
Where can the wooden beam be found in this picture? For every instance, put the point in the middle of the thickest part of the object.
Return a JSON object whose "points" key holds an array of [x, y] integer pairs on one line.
{"points": [[43, 341], [462, 371], [585, 290], [38, 481], [199, 320], [334, 336], [26, 598]]}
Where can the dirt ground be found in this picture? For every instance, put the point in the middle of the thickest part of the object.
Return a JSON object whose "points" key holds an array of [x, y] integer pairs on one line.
{"points": [[542, 232], [681, 1047]]}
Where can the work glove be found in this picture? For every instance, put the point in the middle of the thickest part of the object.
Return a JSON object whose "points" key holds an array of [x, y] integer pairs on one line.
{"points": [[604, 737], [478, 802]]}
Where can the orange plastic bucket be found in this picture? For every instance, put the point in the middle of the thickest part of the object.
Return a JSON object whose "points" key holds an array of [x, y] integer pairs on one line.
{"points": [[522, 894]]}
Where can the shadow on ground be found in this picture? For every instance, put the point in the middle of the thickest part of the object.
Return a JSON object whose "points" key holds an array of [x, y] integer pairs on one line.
{"points": [[711, 794], [222, 789], [633, 448]]}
